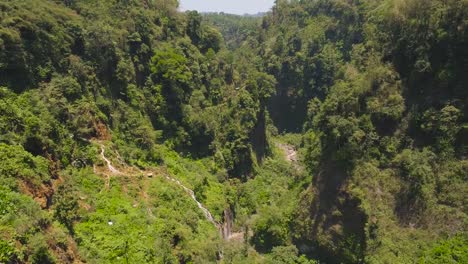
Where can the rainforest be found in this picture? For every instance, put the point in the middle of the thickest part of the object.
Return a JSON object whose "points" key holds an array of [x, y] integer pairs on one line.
{"points": [[322, 131]]}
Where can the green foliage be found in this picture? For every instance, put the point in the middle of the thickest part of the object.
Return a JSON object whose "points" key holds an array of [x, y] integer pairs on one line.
{"points": [[306, 45], [171, 66], [139, 74], [375, 173], [17, 164], [269, 230], [272, 197], [7, 251], [120, 232], [198, 176], [416, 168], [313, 151], [40, 253], [384, 120], [235, 29], [66, 206], [287, 255], [453, 250], [35, 39], [202, 35], [442, 127], [22, 223]]}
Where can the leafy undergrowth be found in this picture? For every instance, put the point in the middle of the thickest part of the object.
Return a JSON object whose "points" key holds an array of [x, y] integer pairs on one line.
{"points": [[181, 125], [144, 217], [265, 205], [141, 216]]}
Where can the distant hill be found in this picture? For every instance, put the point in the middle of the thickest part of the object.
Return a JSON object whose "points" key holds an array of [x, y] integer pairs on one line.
{"points": [[324, 131], [234, 28]]}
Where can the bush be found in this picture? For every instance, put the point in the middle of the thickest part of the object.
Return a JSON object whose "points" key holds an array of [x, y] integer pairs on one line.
{"points": [[8, 253], [453, 250]]}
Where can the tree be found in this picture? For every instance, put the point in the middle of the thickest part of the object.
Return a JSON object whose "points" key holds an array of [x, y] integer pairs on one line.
{"points": [[66, 206], [269, 230]]}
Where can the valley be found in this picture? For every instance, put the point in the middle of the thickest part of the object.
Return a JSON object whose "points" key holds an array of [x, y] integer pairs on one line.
{"points": [[322, 131]]}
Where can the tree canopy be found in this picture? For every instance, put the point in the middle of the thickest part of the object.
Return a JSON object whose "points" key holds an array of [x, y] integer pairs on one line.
{"points": [[324, 131]]}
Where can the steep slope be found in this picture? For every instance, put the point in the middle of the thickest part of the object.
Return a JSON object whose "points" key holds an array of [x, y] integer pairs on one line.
{"points": [[132, 133], [144, 78], [377, 87]]}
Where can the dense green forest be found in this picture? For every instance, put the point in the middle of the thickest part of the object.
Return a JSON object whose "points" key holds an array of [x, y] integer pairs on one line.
{"points": [[325, 131], [234, 28]]}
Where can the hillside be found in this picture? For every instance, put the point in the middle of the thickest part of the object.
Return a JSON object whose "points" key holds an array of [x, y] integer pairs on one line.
{"points": [[325, 131], [234, 28]]}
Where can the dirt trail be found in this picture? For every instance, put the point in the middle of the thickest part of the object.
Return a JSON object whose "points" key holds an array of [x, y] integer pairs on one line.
{"points": [[239, 236], [111, 168], [291, 155], [205, 211], [223, 228], [130, 171], [289, 151]]}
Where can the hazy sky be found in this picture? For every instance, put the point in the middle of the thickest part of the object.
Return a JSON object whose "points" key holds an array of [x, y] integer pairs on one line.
{"points": [[228, 6]]}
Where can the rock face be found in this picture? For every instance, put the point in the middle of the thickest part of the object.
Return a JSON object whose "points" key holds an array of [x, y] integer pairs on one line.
{"points": [[289, 152], [42, 195], [329, 215], [227, 226], [258, 137]]}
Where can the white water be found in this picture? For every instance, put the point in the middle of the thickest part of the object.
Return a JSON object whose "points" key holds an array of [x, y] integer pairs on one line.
{"points": [[224, 229], [109, 164], [205, 211]]}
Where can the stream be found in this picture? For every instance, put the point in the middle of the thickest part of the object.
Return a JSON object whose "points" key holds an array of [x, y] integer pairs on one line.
{"points": [[111, 168], [225, 229], [205, 211]]}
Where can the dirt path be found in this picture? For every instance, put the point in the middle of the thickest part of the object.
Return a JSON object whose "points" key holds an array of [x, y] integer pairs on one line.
{"points": [[205, 211], [290, 152], [111, 168], [131, 171]]}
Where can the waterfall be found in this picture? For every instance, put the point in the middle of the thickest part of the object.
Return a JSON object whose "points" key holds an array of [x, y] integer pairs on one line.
{"points": [[109, 164], [225, 228], [205, 211]]}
